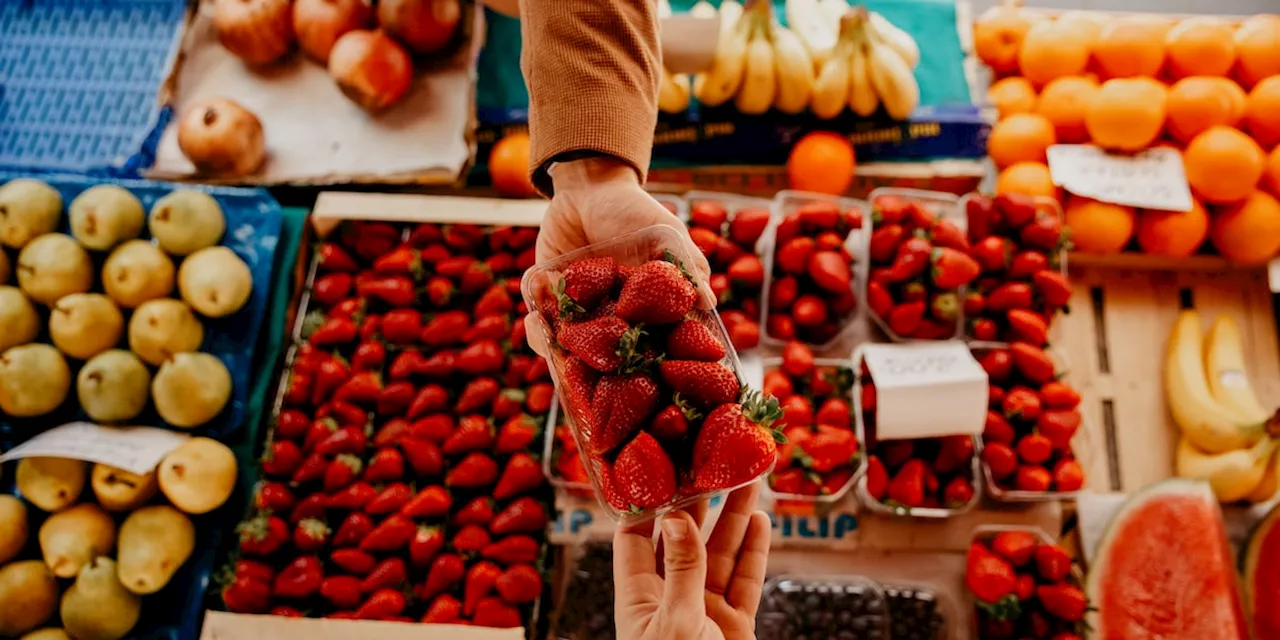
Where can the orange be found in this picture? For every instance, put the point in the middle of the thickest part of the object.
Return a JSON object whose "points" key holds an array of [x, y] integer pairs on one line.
{"points": [[1012, 95], [1258, 48], [1126, 113], [1064, 102], [1031, 178], [997, 36], [1262, 112], [1201, 46], [1088, 24], [1200, 102], [1174, 234], [1130, 47], [1223, 165], [1053, 50], [1099, 227], [1248, 231], [1022, 137], [821, 161], [509, 166], [1271, 179]]}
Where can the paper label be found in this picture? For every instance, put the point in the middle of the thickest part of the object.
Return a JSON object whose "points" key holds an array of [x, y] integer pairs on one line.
{"points": [[926, 389], [1152, 179], [135, 449]]}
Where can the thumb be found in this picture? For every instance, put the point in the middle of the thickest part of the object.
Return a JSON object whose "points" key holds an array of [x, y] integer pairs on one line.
{"points": [[685, 574]]}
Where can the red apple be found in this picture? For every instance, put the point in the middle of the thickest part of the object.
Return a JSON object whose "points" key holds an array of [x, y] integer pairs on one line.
{"points": [[221, 137], [256, 31], [424, 26], [319, 23], [370, 68]]}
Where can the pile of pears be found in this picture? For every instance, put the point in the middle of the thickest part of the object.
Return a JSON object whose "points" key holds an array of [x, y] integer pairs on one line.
{"points": [[56, 271], [106, 569]]}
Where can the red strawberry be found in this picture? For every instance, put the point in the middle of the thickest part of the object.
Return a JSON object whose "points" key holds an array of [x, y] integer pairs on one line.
{"points": [[310, 535], [708, 384], [905, 318], [1000, 459], [439, 291], [600, 342], [353, 497], [493, 612], [341, 472], [386, 465], [748, 225], [478, 511], [425, 544], [657, 293], [282, 460], [439, 366], [383, 604], [481, 358], [1011, 295], [877, 478], [834, 412], [997, 429], [705, 239], [957, 493], [312, 506], [434, 428], [341, 591], [424, 457], [793, 255], [1059, 395], [829, 449], [1021, 403], [746, 271], [1065, 601], [708, 214], [389, 573], [797, 411], [620, 405], [1054, 288], [672, 422], [478, 584], [431, 501], [988, 576], [474, 433], [736, 443], [513, 549], [524, 515], [354, 561], [797, 359], [470, 539], [1026, 586], [331, 257], [522, 474], [1014, 546], [1068, 476], [331, 331], [299, 579], [1034, 448], [983, 329], [396, 291], [395, 398], [390, 499], [345, 440], [494, 303], [262, 536], [475, 470], [446, 570], [1032, 478], [1052, 562], [360, 388], [520, 584], [1031, 360], [954, 453], [644, 474], [353, 530], [783, 292], [830, 271], [952, 268], [1027, 263], [907, 487], [275, 497], [390, 535], [247, 595], [587, 282], [445, 609], [692, 340]]}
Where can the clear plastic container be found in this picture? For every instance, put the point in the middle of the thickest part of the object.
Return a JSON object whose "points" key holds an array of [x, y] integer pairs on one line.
{"points": [[984, 533], [846, 607], [551, 453], [734, 203], [673, 203], [631, 249], [856, 243], [918, 611]]}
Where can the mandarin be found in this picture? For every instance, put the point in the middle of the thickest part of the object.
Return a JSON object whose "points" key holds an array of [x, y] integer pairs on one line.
{"points": [[1031, 178], [1201, 46], [997, 37], [1126, 113], [1248, 231], [1022, 137], [1174, 234], [1051, 50], [1262, 112], [822, 161], [1088, 24], [1098, 227], [1200, 102], [1012, 95], [1064, 102], [1271, 179], [1258, 48], [509, 166], [1130, 47], [1223, 164]]}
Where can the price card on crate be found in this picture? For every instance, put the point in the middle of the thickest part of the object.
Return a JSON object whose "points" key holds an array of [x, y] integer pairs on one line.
{"points": [[134, 449], [926, 389], [1152, 179]]}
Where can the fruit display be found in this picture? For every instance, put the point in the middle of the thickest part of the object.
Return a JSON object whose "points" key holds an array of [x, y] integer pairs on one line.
{"points": [[222, 138], [1168, 543], [674, 89], [1227, 437], [1261, 594], [759, 64], [919, 263], [844, 607], [1024, 586], [647, 376], [730, 231], [871, 66], [816, 269], [915, 613], [821, 459], [1032, 420]]}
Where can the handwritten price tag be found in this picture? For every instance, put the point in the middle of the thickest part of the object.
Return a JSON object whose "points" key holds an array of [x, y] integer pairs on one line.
{"points": [[926, 389], [1152, 179], [134, 449]]}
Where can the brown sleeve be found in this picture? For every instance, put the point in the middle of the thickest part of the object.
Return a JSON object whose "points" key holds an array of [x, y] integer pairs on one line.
{"points": [[592, 68]]}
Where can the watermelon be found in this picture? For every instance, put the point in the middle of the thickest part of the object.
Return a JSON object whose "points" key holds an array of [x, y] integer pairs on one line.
{"points": [[1163, 569], [1262, 587]]}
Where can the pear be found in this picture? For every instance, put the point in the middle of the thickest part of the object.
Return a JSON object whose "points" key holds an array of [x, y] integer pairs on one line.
{"points": [[13, 528], [163, 327], [121, 490], [113, 386], [53, 265], [19, 323], [154, 543], [191, 389], [186, 221], [97, 606], [198, 476], [215, 281], [28, 208], [34, 380], [137, 271], [82, 325], [48, 633], [69, 539], [104, 216], [51, 484], [28, 597]]}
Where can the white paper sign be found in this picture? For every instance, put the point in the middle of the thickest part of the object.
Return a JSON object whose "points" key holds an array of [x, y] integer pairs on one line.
{"points": [[1152, 179], [926, 389], [134, 449]]}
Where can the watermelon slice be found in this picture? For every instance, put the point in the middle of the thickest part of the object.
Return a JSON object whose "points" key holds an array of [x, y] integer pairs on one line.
{"points": [[1164, 570], [1261, 579]]}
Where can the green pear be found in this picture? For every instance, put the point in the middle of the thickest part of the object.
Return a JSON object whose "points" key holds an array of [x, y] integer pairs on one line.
{"points": [[82, 325], [215, 281], [48, 633], [52, 266], [13, 528], [154, 543], [97, 606], [163, 327], [104, 216], [186, 221], [19, 323], [34, 380], [198, 476], [120, 490], [51, 484], [190, 389], [137, 271], [113, 386], [28, 597], [69, 539], [28, 208]]}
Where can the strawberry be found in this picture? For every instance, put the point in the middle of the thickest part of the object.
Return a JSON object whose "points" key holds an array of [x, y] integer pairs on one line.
{"points": [[997, 429], [353, 561], [341, 591], [1014, 546], [1011, 295], [390, 535], [445, 328], [905, 318], [513, 549], [1017, 209], [425, 544], [1031, 361], [992, 254], [602, 342], [793, 255], [952, 268], [353, 497], [331, 257], [1059, 395], [1000, 459], [274, 496], [1068, 476], [954, 452], [998, 363], [480, 358], [478, 583], [830, 271], [620, 405], [797, 411], [402, 261], [476, 277], [644, 474], [331, 288], [390, 499], [299, 579], [945, 306], [657, 293], [524, 515], [1027, 263], [877, 478], [705, 240], [1028, 327], [1066, 602], [516, 434], [396, 291], [282, 459], [783, 327], [495, 303], [519, 584], [1032, 478], [587, 282], [402, 326], [983, 329], [777, 384], [383, 604], [445, 609], [493, 612], [439, 366], [910, 259], [1034, 448], [829, 449], [1021, 403], [478, 511], [350, 440], [957, 493], [312, 506], [736, 443], [434, 428], [746, 271], [1043, 232], [361, 388], [310, 535], [1052, 562], [988, 576], [708, 384], [797, 359], [1026, 588], [692, 340], [405, 365], [341, 472], [446, 570], [431, 501], [745, 335], [246, 595], [474, 433], [475, 470], [386, 465], [470, 539], [262, 536], [783, 292], [291, 424], [424, 457], [522, 474], [748, 225], [673, 421], [1054, 288], [439, 291], [907, 486]]}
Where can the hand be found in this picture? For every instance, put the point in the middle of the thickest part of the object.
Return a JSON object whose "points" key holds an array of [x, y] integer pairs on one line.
{"points": [[699, 592]]}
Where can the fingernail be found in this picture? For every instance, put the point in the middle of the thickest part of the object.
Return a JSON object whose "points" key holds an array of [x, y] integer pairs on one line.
{"points": [[675, 529]]}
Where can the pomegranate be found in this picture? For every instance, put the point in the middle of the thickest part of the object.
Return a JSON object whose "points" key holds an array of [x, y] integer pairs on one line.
{"points": [[319, 23], [425, 26], [370, 68], [256, 31], [219, 136]]}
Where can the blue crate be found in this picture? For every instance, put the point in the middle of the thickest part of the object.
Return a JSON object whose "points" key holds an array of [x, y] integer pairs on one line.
{"points": [[79, 81]]}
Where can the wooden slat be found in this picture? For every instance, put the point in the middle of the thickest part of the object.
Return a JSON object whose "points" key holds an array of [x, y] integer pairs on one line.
{"points": [[1075, 339]]}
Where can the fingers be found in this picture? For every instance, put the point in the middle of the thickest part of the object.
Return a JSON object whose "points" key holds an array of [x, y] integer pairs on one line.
{"points": [[633, 558], [536, 336], [685, 568], [748, 577], [727, 537], [697, 511]]}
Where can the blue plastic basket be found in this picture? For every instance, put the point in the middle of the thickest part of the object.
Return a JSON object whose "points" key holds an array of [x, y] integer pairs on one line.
{"points": [[79, 81]]}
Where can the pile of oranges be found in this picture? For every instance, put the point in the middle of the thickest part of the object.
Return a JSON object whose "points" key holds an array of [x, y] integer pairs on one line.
{"points": [[1205, 86]]}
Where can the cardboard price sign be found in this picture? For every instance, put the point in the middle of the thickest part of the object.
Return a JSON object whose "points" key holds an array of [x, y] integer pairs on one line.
{"points": [[134, 449], [926, 389], [1152, 179]]}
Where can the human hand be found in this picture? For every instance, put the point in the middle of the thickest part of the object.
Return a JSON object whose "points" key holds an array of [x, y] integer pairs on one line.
{"points": [[698, 592]]}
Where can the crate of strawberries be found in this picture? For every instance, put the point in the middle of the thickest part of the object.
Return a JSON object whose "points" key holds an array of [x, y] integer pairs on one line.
{"points": [[1024, 585], [821, 459], [729, 230], [919, 264], [647, 376], [816, 261]]}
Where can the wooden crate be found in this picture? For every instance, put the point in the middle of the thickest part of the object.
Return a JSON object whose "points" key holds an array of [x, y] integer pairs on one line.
{"points": [[1122, 311]]}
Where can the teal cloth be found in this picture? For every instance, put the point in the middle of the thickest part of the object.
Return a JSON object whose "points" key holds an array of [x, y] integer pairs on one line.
{"points": [[932, 23]]}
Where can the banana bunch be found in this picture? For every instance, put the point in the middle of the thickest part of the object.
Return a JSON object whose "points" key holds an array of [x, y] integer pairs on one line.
{"points": [[758, 63], [673, 88], [1226, 438], [871, 65]]}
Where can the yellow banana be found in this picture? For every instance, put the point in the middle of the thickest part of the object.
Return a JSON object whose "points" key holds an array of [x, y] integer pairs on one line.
{"points": [[1208, 424], [1266, 488], [722, 81], [893, 79], [760, 83], [831, 88], [817, 35], [794, 71], [1233, 475], [897, 39], [862, 96], [1224, 367], [673, 92]]}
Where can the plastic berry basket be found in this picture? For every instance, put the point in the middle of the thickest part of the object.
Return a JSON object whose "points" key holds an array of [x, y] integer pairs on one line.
{"points": [[673, 203], [788, 598], [946, 609], [1042, 203], [984, 533], [856, 243], [550, 452], [631, 249], [763, 248]]}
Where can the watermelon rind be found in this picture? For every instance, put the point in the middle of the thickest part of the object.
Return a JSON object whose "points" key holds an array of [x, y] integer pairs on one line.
{"points": [[1249, 559]]}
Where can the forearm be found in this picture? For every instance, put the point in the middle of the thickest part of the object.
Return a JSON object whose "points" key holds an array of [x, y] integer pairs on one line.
{"points": [[592, 69]]}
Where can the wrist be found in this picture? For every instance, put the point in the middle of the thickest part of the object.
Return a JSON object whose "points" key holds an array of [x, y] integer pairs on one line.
{"points": [[594, 170]]}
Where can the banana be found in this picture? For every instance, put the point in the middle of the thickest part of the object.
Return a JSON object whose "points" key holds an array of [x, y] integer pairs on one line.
{"points": [[703, 9], [1234, 474], [673, 92], [722, 81], [862, 96], [1224, 367], [1266, 488], [1206, 423], [832, 11], [760, 84], [817, 34], [794, 71], [897, 39], [893, 80], [831, 88]]}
